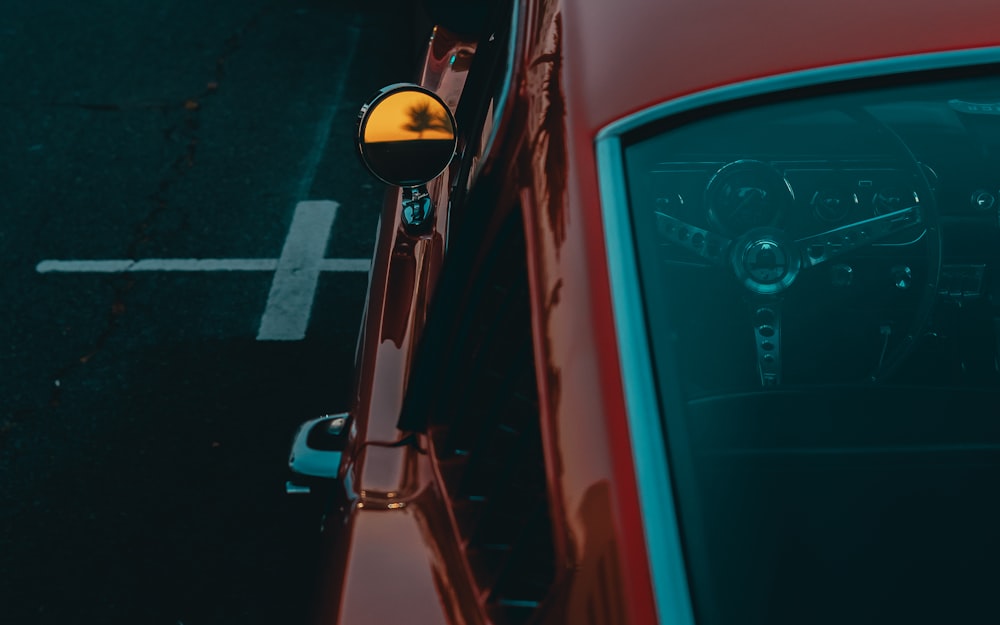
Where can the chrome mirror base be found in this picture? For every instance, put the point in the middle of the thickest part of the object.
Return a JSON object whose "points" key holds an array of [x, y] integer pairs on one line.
{"points": [[418, 209]]}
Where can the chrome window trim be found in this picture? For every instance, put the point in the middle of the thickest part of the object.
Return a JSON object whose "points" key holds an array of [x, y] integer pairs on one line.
{"points": [[508, 79], [668, 572], [501, 104], [656, 500], [805, 78]]}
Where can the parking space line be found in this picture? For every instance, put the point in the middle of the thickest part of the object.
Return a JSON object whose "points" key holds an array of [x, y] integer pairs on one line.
{"points": [[289, 304], [161, 264], [340, 265], [296, 271], [346, 264]]}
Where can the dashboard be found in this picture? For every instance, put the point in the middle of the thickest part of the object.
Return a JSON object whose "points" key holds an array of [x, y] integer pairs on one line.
{"points": [[848, 237]]}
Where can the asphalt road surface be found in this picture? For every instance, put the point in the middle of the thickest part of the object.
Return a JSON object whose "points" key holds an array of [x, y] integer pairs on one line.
{"points": [[164, 166]]}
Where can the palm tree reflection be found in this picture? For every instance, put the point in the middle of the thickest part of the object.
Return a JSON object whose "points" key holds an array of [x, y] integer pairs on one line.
{"points": [[424, 118]]}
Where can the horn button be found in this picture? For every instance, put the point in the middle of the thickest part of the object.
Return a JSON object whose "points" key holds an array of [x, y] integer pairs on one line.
{"points": [[766, 262]]}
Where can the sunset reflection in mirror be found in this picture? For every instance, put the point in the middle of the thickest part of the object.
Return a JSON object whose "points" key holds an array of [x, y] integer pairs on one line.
{"points": [[407, 137], [408, 116]]}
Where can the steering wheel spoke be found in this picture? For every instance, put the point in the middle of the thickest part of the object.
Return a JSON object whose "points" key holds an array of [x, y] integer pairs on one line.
{"points": [[767, 337], [708, 245], [754, 233], [819, 248]]}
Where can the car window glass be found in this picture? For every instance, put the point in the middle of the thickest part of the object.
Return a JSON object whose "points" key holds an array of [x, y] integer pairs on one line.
{"points": [[821, 277]]}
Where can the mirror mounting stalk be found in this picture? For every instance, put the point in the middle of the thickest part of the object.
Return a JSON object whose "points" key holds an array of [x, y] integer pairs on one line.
{"points": [[418, 210]]}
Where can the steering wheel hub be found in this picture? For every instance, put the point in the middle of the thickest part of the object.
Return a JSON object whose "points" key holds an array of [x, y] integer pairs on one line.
{"points": [[765, 263]]}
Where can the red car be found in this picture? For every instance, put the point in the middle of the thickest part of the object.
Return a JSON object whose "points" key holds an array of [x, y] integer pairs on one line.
{"points": [[699, 325]]}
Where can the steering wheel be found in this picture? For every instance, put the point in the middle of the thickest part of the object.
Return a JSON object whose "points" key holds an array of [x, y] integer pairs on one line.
{"points": [[750, 237]]}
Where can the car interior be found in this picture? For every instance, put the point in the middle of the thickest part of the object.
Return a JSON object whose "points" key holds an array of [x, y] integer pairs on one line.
{"points": [[821, 272]]}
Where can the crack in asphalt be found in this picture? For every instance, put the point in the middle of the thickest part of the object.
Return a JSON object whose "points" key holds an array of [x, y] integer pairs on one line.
{"points": [[185, 131]]}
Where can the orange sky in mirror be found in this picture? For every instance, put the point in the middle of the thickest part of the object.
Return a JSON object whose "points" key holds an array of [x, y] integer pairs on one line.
{"points": [[392, 119]]}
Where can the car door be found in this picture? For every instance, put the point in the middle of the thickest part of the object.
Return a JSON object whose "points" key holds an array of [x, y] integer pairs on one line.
{"points": [[474, 392]]}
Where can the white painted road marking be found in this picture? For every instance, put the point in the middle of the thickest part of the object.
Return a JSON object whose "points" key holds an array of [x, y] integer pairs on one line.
{"points": [[189, 264], [296, 272], [293, 289], [157, 264], [289, 304]]}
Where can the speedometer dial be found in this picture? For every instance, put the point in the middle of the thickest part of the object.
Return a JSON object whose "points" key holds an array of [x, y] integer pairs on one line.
{"points": [[746, 194], [891, 199]]}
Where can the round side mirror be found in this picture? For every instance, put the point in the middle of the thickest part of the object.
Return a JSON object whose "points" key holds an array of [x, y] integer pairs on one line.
{"points": [[406, 135]]}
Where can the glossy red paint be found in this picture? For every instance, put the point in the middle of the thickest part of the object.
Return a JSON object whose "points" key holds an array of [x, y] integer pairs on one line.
{"points": [[391, 538], [397, 536], [583, 413], [396, 555], [615, 59], [625, 56]]}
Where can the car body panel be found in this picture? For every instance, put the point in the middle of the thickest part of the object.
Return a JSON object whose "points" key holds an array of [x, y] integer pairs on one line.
{"points": [[389, 545], [595, 85], [655, 475], [577, 68], [589, 453], [381, 543], [678, 43]]}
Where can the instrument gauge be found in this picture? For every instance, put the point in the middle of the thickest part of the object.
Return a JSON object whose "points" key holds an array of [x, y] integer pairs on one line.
{"points": [[892, 199], [747, 194], [833, 206]]}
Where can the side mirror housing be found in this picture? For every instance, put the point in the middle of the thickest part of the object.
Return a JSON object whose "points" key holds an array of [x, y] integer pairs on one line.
{"points": [[406, 138], [406, 135], [317, 450]]}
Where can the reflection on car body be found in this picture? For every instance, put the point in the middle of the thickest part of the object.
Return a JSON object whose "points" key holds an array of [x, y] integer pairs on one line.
{"points": [[696, 326]]}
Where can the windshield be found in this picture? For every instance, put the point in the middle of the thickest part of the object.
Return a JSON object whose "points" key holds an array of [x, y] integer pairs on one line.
{"points": [[820, 276]]}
